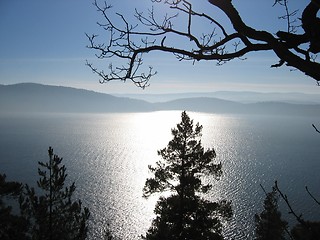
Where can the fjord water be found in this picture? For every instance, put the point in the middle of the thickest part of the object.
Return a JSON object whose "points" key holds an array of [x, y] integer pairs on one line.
{"points": [[107, 155]]}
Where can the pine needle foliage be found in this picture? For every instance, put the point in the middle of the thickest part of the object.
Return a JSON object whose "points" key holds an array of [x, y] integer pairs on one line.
{"points": [[185, 214], [53, 214]]}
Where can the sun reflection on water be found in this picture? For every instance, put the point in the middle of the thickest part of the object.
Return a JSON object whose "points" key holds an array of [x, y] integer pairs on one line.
{"points": [[134, 139], [137, 138], [108, 157]]}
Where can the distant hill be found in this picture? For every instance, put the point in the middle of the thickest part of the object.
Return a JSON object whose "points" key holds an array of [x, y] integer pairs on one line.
{"points": [[30, 97], [254, 97], [214, 105], [240, 96], [202, 104]]}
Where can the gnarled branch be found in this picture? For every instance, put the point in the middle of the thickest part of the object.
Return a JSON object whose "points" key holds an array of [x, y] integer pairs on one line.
{"points": [[128, 42]]}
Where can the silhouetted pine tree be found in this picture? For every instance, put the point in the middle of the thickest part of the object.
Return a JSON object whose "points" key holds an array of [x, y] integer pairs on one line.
{"points": [[185, 214], [308, 231], [12, 227], [269, 224], [53, 214]]}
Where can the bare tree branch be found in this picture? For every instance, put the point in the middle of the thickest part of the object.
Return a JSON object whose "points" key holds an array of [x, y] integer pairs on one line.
{"points": [[315, 128], [129, 42], [291, 211], [291, 27], [317, 201]]}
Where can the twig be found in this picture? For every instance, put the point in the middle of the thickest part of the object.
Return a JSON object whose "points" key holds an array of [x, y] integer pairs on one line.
{"points": [[318, 202], [315, 128], [285, 198]]}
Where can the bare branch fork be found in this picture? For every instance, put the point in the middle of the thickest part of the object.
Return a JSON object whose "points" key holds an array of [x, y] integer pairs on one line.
{"points": [[305, 224], [291, 211], [128, 43]]}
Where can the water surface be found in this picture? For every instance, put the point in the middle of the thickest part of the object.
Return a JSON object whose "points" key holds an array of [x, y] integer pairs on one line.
{"points": [[107, 156]]}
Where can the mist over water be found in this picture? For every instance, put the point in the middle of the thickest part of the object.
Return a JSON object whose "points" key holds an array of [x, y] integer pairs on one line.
{"points": [[107, 155]]}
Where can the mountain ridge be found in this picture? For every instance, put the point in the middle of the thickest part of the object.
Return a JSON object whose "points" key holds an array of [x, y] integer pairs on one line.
{"points": [[32, 97], [237, 96], [47, 98]]}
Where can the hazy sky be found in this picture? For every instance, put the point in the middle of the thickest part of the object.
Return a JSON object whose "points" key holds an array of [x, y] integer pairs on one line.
{"points": [[44, 41]]}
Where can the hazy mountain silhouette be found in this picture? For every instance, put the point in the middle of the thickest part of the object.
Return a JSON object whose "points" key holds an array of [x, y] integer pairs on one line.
{"points": [[30, 97], [215, 105], [202, 104], [236, 96]]}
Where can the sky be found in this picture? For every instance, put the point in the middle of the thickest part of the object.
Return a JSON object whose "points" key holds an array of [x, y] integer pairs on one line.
{"points": [[44, 41]]}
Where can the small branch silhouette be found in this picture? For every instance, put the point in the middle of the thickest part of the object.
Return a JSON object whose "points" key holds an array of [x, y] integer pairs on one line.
{"points": [[311, 195], [291, 211], [315, 128]]}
